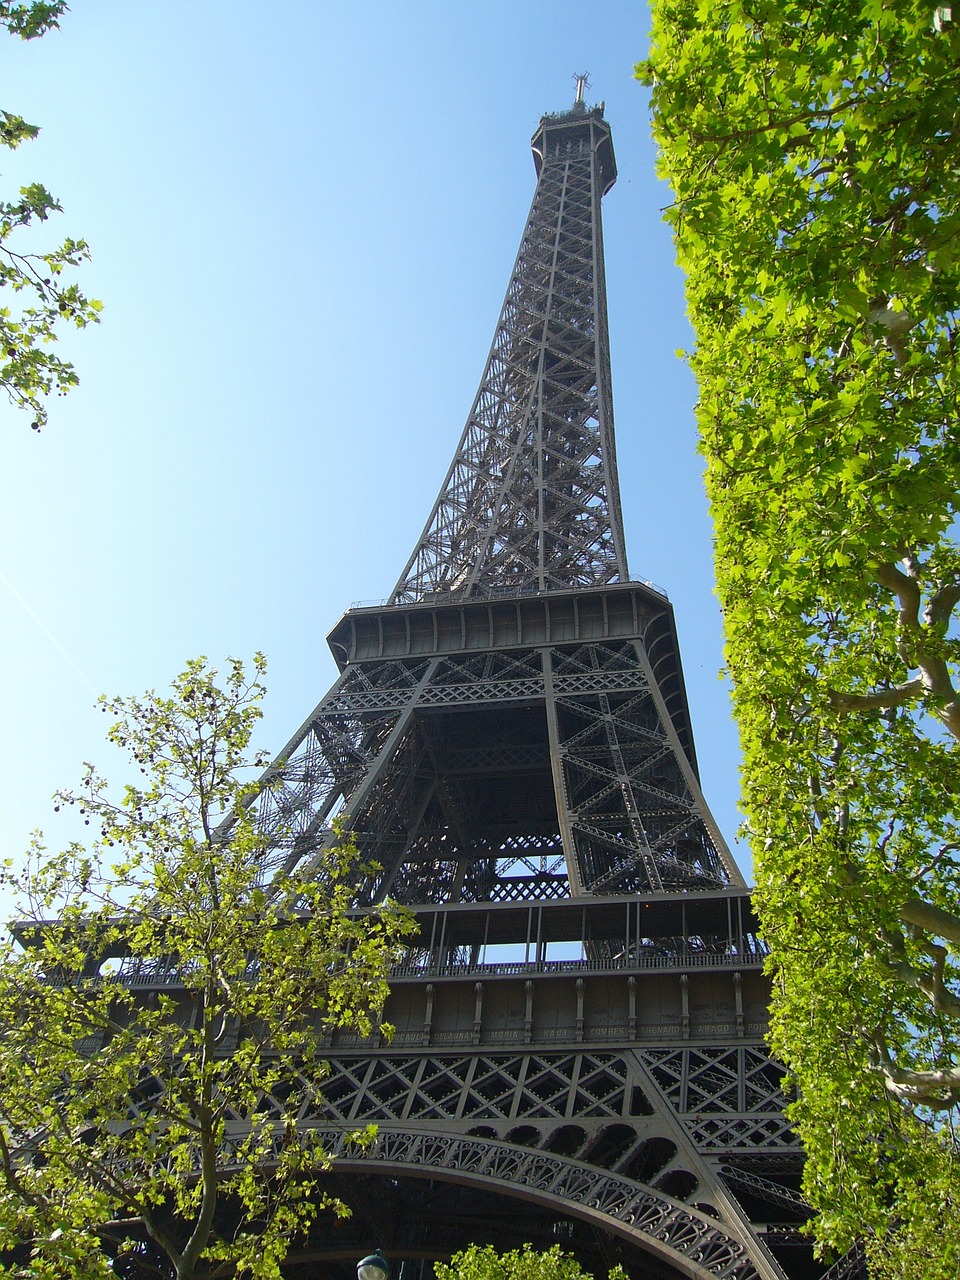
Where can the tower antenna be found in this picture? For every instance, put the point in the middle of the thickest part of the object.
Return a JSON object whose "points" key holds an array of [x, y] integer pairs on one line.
{"points": [[583, 83]]}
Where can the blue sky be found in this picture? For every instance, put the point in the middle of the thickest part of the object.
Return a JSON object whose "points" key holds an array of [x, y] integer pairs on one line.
{"points": [[302, 222]]}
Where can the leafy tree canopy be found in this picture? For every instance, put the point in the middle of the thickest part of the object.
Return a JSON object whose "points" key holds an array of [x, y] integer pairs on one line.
{"points": [[42, 299], [484, 1263], [812, 151], [164, 1012]]}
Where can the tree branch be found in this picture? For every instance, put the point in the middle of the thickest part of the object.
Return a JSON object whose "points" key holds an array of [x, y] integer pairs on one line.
{"points": [[209, 1147], [934, 670], [938, 1090], [10, 1176], [933, 920], [893, 697], [905, 589], [941, 604]]}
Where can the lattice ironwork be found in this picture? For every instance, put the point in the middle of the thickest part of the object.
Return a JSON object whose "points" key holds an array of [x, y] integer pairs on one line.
{"points": [[729, 1079], [579, 1085], [730, 1097], [330, 756], [767, 1188], [589, 1127], [452, 769], [852, 1266], [672, 1230], [531, 500], [509, 738], [634, 811], [530, 504]]}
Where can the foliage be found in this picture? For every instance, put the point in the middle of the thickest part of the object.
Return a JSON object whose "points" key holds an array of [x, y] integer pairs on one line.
{"points": [[164, 1016], [812, 150], [29, 372], [484, 1263], [32, 19]]}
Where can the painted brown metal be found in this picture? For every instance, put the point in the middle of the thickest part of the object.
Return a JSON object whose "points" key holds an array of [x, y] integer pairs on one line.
{"points": [[578, 1053]]}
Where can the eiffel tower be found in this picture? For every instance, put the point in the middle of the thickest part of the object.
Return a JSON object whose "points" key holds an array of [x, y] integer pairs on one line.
{"points": [[578, 1055]]}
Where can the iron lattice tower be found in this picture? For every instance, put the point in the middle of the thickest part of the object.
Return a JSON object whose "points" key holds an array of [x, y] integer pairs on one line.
{"points": [[578, 1052]]}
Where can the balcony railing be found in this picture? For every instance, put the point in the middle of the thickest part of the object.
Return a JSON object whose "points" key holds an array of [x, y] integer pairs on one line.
{"points": [[141, 973]]}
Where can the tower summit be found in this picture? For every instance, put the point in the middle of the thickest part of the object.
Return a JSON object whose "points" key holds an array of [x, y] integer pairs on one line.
{"points": [[531, 501], [578, 1054]]}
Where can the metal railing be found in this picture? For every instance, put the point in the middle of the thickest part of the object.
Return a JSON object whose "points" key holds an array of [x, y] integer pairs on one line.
{"points": [[479, 592], [136, 974], [509, 968]]}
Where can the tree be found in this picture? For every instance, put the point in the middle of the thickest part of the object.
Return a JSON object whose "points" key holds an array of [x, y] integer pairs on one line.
{"points": [[484, 1263], [164, 1012], [812, 150], [29, 372]]}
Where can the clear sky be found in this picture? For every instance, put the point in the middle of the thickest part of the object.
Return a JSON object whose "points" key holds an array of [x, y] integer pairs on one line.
{"points": [[303, 218]]}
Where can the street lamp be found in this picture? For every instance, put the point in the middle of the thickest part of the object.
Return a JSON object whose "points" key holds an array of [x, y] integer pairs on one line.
{"points": [[373, 1267]]}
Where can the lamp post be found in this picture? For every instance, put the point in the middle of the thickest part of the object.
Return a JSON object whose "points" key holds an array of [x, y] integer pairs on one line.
{"points": [[373, 1267]]}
